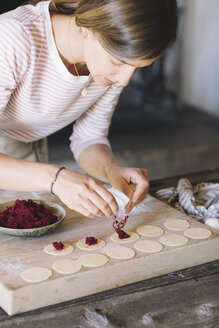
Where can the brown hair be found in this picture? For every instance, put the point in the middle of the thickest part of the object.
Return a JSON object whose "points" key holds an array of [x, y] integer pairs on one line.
{"points": [[128, 29]]}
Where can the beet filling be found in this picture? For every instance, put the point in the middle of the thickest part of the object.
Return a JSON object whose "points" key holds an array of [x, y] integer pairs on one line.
{"points": [[121, 233], [58, 246], [91, 241], [26, 215]]}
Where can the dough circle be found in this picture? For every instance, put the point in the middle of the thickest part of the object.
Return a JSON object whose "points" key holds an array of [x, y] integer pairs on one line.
{"points": [[67, 266], [173, 240], [133, 237], [148, 246], [82, 245], [213, 223], [176, 224], [93, 260], [36, 274], [197, 233], [120, 252], [150, 230], [49, 249]]}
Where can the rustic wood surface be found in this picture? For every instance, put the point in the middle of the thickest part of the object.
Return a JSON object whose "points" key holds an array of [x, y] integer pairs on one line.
{"points": [[187, 298]]}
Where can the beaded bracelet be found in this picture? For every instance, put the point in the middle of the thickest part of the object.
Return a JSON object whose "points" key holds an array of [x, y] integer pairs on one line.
{"points": [[55, 178]]}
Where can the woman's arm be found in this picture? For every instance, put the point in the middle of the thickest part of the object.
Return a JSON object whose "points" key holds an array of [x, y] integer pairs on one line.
{"points": [[78, 191]]}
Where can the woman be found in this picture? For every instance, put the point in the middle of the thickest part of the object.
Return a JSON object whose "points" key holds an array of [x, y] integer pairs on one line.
{"points": [[68, 60]]}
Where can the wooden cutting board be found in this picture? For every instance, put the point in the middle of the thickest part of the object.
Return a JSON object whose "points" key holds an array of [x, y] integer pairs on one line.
{"points": [[18, 254]]}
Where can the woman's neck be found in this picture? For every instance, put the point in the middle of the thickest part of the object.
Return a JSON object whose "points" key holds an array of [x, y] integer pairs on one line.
{"points": [[69, 42]]}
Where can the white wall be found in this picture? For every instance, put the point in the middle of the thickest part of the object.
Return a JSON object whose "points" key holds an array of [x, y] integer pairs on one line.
{"points": [[200, 55]]}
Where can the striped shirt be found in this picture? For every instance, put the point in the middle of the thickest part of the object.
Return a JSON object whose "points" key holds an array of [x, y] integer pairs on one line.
{"points": [[38, 95]]}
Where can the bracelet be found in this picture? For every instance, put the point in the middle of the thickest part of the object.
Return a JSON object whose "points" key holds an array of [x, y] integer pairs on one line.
{"points": [[55, 178]]}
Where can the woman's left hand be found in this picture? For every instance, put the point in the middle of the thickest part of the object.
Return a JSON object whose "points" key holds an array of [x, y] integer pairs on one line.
{"points": [[132, 181]]}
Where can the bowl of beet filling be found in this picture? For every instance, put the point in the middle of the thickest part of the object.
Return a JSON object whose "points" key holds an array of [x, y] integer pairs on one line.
{"points": [[27, 217]]}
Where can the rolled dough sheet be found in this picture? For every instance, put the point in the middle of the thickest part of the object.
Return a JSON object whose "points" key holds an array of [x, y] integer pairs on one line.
{"points": [[93, 260], [148, 246], [197, 233], [176, 224], [133, 237], [149, 230], [82, 245], [36, 274], [67, 266], [49, 249], [173, 240], [120, 252]]}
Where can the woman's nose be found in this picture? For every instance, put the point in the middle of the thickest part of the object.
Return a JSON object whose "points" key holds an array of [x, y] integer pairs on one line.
{"points": [[125, 75]]}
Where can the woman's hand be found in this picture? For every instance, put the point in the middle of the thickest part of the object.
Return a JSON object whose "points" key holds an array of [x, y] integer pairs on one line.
{"points": [[132, 181], [84, 194]]}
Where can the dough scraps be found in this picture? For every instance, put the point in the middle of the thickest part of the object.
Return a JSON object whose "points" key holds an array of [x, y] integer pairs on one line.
{"points": [[150, 230], [36, 274], [197, 233], [176, 224], [120, 252], [133, 237], [49, 249], [93, 260], [67, 266], [148, 246], [82, 245], [173, 240]]}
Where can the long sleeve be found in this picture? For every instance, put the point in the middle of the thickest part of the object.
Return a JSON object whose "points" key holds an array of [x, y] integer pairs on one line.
{"points": [[93, 126], [15, 48]]}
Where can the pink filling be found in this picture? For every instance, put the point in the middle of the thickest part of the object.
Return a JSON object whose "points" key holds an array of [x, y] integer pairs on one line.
{"points": [[122, 234], [91, 241], [58, 246], [26, 215]]}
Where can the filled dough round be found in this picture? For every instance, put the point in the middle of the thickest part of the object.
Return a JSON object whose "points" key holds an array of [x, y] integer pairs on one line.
{"points": [[36, 274], [49, 249], [150, 230], [197, 233], [148, 246], [133, 237], [173, 240], [67, 266], [176, 224], [93, 260], [82, 245], [120, 252]]}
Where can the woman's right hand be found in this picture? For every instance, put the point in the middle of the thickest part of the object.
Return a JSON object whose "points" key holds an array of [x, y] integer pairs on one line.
{"points": [[84, 194]]}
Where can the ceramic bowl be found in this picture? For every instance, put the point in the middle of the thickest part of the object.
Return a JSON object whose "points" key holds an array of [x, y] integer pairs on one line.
{"points": [[56, 209]]}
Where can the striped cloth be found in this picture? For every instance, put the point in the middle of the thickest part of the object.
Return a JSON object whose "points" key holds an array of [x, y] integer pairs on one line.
{"points": [[201, 200], [38, 95]]}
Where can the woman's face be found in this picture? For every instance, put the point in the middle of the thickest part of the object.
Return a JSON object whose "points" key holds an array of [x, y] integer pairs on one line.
{"points": [[106, 69]]}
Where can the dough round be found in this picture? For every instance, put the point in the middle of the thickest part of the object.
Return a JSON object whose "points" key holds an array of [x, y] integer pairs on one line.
{"points": [[197, 233], [150, 230], [148, 246], [93, 260], [36, 274], [213, 223], [49, 249], [133, 237], [120, 252], [173, 240], [67, 266], [176, 224], [82, 245]]}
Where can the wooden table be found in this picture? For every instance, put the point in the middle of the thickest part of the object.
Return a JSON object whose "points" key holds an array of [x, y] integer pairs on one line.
{"points": [[186, 298]]}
